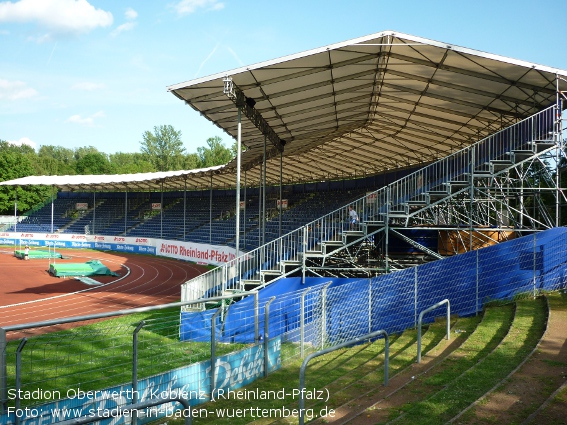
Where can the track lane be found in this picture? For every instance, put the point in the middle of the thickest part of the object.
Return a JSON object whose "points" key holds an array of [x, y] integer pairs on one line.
{"points": [[29, 294]]}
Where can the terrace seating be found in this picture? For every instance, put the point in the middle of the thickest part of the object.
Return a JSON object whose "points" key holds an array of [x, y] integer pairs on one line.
{"points": [[453, 383]]}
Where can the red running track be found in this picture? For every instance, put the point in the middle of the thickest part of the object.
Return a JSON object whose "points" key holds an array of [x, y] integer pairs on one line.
{"points": [[28, 293]]}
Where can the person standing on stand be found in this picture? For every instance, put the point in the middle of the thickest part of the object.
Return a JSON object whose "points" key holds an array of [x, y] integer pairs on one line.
{"points": [[353, 216]]}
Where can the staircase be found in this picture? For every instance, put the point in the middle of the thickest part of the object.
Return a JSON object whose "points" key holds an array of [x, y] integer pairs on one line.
{"points": [[445, 196]]}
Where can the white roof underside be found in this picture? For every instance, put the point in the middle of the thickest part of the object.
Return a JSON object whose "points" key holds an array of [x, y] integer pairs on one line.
{"points": [[365, 106], [166, 180]]}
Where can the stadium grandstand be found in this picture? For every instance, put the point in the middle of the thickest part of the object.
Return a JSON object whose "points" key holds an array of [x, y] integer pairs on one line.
{"points": [[435, 146], [443, 152]]}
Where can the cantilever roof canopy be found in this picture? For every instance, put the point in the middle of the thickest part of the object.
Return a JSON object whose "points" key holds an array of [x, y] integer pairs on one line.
{"points": [[352, 109], [166, 180], [368, 105]]}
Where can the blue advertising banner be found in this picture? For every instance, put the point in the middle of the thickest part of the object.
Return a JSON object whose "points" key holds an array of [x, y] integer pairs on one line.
{"points": [[103, 246], [192, 382]]}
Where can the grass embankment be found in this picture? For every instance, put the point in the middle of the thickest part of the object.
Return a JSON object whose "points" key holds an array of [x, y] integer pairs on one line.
{"points": [[342, 375], [469, 379], [528, 392], [99, 355]]}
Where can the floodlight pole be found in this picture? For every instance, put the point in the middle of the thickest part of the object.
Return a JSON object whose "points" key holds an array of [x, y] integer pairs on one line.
{"points": [[264, 195], [238, 165], [229, 91]]}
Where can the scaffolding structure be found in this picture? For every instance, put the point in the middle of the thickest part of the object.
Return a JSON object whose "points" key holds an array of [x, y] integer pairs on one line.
{"points": [[506, 185]]}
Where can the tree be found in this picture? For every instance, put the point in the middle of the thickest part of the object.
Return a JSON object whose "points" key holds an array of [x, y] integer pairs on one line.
{"points": [[93, 163], [56, 160], [190, 161], [15, 163], [79, 153], [163, 148], [216, 153], [129, 163]]}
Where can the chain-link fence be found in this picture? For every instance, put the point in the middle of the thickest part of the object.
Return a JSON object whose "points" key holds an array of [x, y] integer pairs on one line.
{"points": [[103, 364]]}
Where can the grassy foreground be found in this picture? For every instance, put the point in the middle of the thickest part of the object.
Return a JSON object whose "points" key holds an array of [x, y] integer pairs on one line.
{"points": [[99, 355]]}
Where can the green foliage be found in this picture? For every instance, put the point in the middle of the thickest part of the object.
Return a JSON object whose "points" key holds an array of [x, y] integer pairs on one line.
{"points": [[93, 163], [130, 163], [215, 154], [190, 161], [56, 160], [15, 162], [163, 148]]}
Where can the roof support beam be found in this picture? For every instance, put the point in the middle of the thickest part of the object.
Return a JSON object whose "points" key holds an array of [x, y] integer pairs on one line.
{"points": [[471, 73], [247, 106]]}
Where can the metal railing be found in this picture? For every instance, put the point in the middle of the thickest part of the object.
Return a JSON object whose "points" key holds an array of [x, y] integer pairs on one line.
{"points": [[56, 322], [419, 321], [374, 207], [301, 389]]}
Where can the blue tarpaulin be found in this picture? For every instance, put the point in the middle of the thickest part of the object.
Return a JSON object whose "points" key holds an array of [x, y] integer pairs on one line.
{"points": [[392, 302]]}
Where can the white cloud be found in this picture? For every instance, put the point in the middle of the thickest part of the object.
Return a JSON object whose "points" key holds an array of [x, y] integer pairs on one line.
{"points": [[131, 14], [23, 141], [124, 27], [87, 86], [42, 38], [87, 121], [186, 7], [58, 16], [15, 90]]}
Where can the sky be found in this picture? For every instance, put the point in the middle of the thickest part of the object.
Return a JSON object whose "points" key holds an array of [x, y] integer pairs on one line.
{"points": [[77, 73]]}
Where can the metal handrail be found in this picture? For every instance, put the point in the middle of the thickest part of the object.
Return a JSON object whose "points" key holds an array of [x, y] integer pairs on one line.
{"points": [[427, 310], [374, 206], [333, 348], [19, 327], [267, 333]]}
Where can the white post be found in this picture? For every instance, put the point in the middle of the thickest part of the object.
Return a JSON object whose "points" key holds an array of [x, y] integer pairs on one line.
{"points": [[238, 165]]}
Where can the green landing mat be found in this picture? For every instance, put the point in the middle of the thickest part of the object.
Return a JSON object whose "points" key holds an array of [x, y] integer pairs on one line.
{"points": [[90, 268], [37, 253]]}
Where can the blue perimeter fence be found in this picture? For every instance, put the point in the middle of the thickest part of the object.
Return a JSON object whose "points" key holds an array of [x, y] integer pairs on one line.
{"points": [[331, 311]]}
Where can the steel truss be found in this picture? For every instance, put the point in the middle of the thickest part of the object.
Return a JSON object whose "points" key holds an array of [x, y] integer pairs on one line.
{"points": [[511, 195]]}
